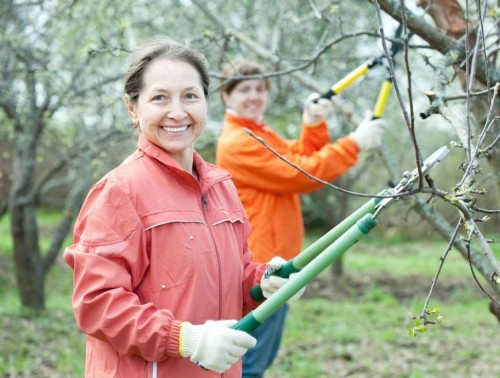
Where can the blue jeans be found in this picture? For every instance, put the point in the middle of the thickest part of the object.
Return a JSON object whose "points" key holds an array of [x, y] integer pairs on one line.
{"points": [[268, 336]]}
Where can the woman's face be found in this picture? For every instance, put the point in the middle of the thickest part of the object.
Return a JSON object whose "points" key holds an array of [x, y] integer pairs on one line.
{"points": [[171, 110], [248, 99]]}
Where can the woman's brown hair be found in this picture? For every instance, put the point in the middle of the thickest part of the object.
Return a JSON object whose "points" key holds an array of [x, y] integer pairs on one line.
{"points": [[162, 47], [233, 73]]}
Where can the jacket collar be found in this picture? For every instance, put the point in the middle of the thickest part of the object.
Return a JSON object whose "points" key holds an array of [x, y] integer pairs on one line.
{"points": [[207, 173], [234, 118], [156, 152]]}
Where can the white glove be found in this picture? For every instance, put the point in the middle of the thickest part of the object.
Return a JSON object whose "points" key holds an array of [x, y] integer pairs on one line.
{"points": [[213, 345], [271, 283], [370, 133], [316, 112]]}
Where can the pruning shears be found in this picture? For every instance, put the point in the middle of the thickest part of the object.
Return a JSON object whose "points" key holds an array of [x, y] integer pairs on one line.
{"points": [[319, 255], [355, 74]]}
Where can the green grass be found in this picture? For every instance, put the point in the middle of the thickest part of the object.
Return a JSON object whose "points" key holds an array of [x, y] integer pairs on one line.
{"points": [[370, 339], [38, 345], [401, 260], [350, 326], [358, 327]]}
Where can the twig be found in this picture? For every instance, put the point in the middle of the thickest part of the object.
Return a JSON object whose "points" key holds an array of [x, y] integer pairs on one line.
{"points": [[396, 88], [438, 272], [326, 183]]}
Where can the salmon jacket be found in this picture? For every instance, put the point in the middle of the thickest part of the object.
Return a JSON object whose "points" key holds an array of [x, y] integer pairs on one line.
{"points": [[154, 247], [269, 187]]}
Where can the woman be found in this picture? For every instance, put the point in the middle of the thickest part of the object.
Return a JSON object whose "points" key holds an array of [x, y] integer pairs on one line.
{"points": [[161, 263], [268, 187]]}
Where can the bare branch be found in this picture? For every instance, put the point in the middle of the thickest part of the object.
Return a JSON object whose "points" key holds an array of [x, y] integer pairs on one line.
{"points": [[436, 39]]}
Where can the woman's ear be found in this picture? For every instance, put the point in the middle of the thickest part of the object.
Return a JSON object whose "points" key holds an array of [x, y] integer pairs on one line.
{"points": [[225, 99], [131, 109]]}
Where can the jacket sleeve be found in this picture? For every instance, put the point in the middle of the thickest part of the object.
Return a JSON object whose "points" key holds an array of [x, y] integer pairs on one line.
{"points": [[311, 139], [252, 275], [109, 260], [253, 165]]}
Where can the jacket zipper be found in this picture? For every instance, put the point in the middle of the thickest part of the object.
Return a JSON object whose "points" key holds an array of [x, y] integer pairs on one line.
{"points": [[154, 369], [205, 205]]}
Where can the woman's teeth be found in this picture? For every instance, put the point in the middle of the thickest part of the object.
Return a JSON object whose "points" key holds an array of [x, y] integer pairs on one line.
{"points": [[175, 129]]}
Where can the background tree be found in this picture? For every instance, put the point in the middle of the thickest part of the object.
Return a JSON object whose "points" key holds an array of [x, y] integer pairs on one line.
{"points": [[444, 42], [46, 85], [474, 56], [61, 104]]}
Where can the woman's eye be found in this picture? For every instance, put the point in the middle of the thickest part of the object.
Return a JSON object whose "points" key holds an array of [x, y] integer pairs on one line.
{"points": [[191, 96], [158, 98]]}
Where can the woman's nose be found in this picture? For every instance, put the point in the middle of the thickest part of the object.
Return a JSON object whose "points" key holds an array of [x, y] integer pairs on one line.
{"points": [[257, 95], [254, 94], [176, 110]]}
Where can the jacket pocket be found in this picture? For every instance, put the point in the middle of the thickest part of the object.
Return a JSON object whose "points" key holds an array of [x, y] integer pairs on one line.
{"points": [[231, 227], [172, 247]]}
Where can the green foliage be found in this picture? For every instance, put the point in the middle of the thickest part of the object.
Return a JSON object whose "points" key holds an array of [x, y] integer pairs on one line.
{"points": [[40, 346], [5, 239], [403, 259], [361, 325], [74, 57], [494, 11], [421, 323], [364, 338]]}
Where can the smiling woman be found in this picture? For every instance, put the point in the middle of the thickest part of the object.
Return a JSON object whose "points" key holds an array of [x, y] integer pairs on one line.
{"points": [[171, 109], [161, 262], [270, 188]]}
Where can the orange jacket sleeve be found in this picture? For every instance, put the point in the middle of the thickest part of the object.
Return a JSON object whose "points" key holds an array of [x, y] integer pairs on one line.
{"points": [[252, 164], [311, 139]]}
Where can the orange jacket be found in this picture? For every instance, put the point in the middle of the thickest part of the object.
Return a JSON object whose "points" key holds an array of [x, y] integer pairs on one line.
{"points": [[154, 247], [269, 188]]}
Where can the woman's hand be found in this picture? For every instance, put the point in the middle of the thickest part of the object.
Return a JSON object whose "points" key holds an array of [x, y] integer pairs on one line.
{"points": [[316, 110], [214, 345]]}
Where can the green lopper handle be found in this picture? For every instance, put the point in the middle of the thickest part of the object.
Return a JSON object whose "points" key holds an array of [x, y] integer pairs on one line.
{"points": [[284, 272], [255, 318], [301, 260]]}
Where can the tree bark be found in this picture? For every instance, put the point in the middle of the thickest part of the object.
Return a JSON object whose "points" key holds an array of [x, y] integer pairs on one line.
{"points": [[449, 17], [22, 210], [436, 39]]}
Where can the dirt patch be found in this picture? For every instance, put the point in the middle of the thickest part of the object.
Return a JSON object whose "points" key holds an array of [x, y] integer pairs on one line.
{"points": [[402, 288]]}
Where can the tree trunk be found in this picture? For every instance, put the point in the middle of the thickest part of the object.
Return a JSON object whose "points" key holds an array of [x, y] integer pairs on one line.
{"points": [[22, 209], [28, 266]]}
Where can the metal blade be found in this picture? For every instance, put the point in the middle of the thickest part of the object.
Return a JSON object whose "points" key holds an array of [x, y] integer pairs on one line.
{"points": [[410, 178]]}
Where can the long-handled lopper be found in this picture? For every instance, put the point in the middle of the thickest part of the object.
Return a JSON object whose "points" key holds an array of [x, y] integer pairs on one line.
{"points": [[316, 258]]}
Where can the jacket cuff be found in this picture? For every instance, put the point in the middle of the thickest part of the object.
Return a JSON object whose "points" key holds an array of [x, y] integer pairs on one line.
{"points": [[316, 125], [188, 339], [173, 338], [349, 143]]}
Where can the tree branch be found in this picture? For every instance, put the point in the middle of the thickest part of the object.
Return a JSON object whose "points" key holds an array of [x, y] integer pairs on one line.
{"points": [[436, 39]]}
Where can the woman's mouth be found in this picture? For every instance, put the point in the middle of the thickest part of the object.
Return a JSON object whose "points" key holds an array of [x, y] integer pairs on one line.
{"points": [[175, 129]]}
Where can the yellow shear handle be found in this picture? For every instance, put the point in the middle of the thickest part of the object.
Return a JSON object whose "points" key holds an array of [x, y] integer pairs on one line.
{"points": [[382, 99], [350, 78]]}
